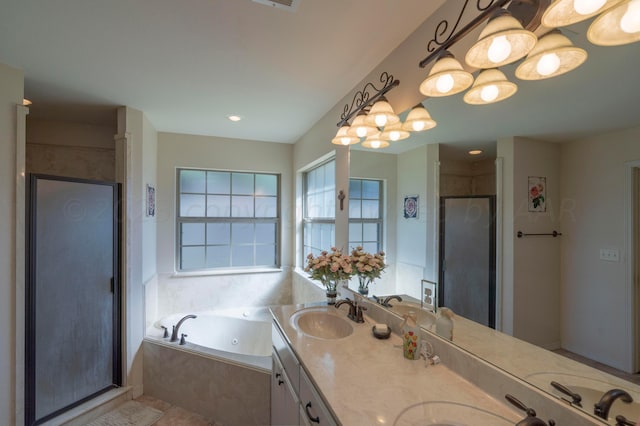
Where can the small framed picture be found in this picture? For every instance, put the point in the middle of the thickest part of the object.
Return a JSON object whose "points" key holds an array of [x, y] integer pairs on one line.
{"points": [[151, 201], [537, 194], [410, 207]]}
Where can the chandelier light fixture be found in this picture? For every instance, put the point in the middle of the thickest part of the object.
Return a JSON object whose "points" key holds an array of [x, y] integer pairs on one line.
{"points": [[554, 54], [508, 37], [447, 77], [618, 25], [374, 119], [491, 86], [501, 42]]}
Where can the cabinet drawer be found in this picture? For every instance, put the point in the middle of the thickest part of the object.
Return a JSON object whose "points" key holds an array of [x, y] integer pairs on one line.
{"points": [[288, 359], [313, 411]]}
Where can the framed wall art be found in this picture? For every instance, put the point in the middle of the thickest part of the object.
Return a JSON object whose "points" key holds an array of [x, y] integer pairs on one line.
{"points": [[537, 194], [410, 207], [150, 201]]}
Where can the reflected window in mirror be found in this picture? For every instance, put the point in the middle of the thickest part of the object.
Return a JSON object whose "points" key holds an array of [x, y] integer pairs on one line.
{"points": [[319, 187], [365, 214]]}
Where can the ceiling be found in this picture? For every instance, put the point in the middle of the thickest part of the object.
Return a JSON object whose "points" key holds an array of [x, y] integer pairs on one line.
{"points": [[189, 64]]}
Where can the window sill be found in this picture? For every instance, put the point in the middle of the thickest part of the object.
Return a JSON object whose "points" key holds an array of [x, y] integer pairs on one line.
{"points": [[226, 272]]}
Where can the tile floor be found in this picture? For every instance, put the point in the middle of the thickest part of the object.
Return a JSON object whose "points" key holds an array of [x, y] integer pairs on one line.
{"points": [[174, 415]]}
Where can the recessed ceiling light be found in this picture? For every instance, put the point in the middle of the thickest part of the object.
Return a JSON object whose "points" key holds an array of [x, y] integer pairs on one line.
{"points": [[26, 102], [475, 152], [234, 117]]}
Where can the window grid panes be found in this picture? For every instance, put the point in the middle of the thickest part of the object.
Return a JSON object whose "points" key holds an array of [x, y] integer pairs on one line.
{"points": [[365, 214], [227, 220], [318, 231]]}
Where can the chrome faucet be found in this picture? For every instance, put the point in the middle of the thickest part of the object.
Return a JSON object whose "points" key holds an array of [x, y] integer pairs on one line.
{"points": [[355, 310], [174, 333], [386, 300], [602, 407]]}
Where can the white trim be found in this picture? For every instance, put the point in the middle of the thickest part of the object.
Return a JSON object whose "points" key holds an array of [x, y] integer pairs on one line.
{"points": [[20, 259], [436, 222], [632, 307], [499, 162]]}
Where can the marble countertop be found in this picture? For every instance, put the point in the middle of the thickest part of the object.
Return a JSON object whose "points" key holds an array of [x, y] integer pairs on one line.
{"points": [[366, 380]]}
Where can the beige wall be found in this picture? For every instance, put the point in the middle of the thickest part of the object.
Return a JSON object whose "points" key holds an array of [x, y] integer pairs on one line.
{"points": [[11, 93], [461, 178], [196, 293], [595, 295], [77, 150]]}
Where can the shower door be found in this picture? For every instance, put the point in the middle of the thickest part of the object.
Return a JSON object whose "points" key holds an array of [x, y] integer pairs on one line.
{"points": [[72, 320], [467, 257]]}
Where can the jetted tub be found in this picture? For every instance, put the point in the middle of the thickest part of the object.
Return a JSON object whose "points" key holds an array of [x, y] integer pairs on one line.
{"points": [[236, 335]]}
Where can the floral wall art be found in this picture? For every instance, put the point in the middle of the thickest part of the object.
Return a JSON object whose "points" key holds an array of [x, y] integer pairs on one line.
{"points": [[537, 194]]}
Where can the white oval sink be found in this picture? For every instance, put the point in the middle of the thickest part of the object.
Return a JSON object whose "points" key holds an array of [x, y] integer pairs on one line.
{"points": [[321, 323], [425, 319], [444, 413]]}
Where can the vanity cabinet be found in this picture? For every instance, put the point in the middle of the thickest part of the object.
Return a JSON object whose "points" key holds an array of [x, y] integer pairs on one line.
{"points": [[294, 398]]}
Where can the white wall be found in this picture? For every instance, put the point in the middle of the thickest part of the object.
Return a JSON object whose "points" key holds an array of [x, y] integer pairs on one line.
{"points": [[11, 93], [196, 293], [534, 283], [594, 293]]}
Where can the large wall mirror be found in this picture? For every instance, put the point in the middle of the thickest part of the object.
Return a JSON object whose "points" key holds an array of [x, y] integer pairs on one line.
{"points": [[577, 135]]}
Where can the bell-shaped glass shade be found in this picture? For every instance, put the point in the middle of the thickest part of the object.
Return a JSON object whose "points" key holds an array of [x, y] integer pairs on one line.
{"points": [[359, 128], [447, 77], [343, 138], [418, 120], [553, 55], [490, 86], [566, 12], [619, 25], [381, 114], [394, 132], [501, 42], [375, 142]]}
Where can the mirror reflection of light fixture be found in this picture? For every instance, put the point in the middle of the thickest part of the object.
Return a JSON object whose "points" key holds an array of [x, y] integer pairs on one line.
{"points": [[381, 114], [501, 42], [490, 86], [343, 138], [475, 152], [554, 54], [418, 120], [447, 77], [566, 12], [394, 132], [375, 142], [618, 25], [359, 127]]}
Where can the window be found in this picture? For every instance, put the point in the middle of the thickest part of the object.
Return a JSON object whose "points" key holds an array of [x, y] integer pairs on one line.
{"points": [[365, 214], [319, 208], [227, 220]]}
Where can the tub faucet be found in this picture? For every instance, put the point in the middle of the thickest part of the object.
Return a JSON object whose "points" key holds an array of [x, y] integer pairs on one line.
{"points": [[386, 300], [174, 333], [602, 407]]}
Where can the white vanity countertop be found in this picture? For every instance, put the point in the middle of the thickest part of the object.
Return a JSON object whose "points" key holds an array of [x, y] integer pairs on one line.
{"points": [[367, 380]]}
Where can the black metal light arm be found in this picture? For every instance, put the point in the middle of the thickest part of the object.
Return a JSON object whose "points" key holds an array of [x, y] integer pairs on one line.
{"points": [[363, 98]]}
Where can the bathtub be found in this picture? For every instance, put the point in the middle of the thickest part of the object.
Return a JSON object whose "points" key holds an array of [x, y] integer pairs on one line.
{"points": [[223, 372], [241, 336]]}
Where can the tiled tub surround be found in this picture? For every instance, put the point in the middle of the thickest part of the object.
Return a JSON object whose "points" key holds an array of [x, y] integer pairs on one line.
{"points": [[226, 392], [364, 380]]}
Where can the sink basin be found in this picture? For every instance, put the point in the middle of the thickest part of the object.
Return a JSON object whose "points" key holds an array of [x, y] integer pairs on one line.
{"points": [[443, 413], [425, 319], [321, 323]]}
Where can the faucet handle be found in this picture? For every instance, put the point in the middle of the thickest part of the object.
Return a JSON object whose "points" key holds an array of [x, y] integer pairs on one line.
{"points": [[623, 421], [182, 339], [359, 317], [166, 332]]}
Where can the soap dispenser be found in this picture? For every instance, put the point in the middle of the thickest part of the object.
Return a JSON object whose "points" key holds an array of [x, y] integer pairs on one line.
{"points": [[410, 336], [444, 323]]}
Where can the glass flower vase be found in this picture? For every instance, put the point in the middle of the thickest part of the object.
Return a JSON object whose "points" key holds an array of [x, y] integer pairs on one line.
{"points": [[363, 285], [331, 291]]}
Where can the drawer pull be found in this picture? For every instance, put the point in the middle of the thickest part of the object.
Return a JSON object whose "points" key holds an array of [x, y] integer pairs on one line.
{"points": [[313, 419]]}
